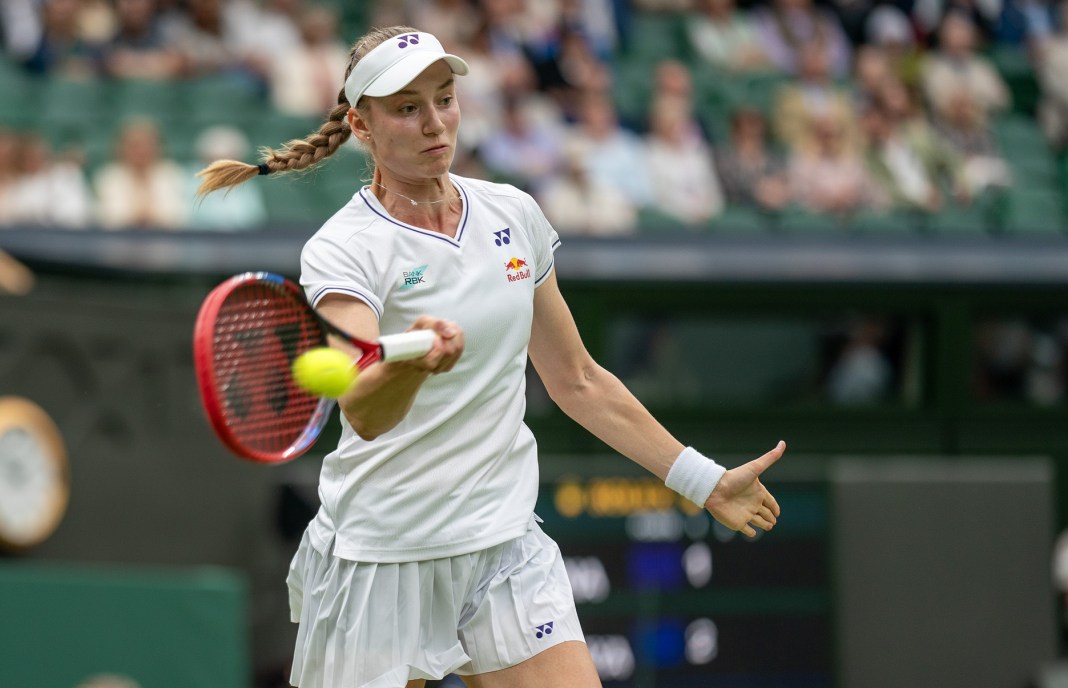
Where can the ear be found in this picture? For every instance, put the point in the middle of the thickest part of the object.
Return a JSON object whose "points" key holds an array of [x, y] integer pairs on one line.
{"points": [[358, 125]]}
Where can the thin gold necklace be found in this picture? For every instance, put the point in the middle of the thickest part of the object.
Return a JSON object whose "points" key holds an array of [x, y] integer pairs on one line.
{"points": [[412, 200]]}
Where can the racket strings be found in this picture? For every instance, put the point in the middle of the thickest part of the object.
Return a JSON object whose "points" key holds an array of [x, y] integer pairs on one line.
{"points": [[258, 333]]}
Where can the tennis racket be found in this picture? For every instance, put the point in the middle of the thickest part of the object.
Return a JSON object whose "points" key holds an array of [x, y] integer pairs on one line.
{"points": [[249, 330]]}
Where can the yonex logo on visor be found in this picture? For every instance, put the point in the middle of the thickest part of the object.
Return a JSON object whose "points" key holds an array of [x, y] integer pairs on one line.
{"points": [[393, 64]]}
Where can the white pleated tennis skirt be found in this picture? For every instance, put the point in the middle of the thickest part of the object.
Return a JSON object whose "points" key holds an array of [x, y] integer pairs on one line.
{"points": [[368, 625]]}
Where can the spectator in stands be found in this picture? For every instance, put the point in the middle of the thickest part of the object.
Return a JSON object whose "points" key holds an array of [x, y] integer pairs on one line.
{"points": [[498, 70], [577, 70], [524, 152], [212, 37], [929, 15], [814, 95], [9, 173], [48, 191], [900, 170], [956, 67], [673, 80], [965, 128], [276, 26], [908, 122], [62, 50], [685, 184], [304, 80], [140, 187], [725, 37], [611, 155], [1051, 70], [888, 29], [861, 373], [871, 69], [453, 21], [20, 28], [787, 25], [137, 50], [578, 203], [830, 176], [752, 174], [242, 207]]}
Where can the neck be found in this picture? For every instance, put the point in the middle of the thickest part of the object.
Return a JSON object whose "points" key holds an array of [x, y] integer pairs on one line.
{"points": [[428, 192], [434, 205]]}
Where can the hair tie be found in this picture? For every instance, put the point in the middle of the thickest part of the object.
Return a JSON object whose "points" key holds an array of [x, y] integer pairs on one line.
{"points": [[263, 168]]}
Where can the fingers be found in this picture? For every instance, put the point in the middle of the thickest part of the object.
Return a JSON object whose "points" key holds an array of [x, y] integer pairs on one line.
{"points": [[448, 346], [767, 515], [771, 503], [764, 462]]}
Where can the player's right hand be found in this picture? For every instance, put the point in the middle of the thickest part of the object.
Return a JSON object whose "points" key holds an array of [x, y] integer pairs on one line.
{"points": [[448, 345]]}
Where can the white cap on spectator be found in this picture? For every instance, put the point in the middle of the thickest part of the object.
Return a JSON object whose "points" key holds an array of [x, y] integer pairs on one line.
{"points": [[393, 64], [889, 25]]}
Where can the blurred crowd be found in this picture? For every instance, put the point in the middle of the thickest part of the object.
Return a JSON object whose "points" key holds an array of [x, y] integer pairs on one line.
{"points": [[873, 107]]}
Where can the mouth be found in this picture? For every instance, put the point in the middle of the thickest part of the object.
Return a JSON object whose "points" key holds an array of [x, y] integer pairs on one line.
{"points": [[434, 150]]}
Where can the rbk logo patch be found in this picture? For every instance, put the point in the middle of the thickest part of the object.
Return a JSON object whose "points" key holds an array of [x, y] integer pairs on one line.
{"points": [[413, 277]]}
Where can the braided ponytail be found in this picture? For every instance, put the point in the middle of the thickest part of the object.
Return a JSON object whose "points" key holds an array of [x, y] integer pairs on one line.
{"points": [[299, 154]]}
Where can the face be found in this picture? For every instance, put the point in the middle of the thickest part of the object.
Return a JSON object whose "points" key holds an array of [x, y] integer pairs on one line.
{"points": [[413, 131]]}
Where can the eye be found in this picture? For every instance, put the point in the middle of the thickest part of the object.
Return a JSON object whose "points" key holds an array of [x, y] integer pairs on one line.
{"points": [[447, 100], [407, 109]]}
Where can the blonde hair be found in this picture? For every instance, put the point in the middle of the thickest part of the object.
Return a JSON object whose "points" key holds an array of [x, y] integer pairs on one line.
{"points": [[305, 153]]}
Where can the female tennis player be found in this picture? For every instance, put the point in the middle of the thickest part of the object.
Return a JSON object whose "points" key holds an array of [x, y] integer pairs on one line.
{"points": [[426, 557]]}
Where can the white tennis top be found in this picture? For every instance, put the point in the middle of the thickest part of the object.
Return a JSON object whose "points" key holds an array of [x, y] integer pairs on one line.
{"points": [[460, 472]]}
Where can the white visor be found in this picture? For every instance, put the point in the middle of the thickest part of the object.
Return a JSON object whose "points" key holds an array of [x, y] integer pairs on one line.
{"points": [[395, 63]]}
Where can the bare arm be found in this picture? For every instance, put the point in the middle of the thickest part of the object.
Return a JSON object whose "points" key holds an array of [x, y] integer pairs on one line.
{"points": [[386, 391], [599, 402]]}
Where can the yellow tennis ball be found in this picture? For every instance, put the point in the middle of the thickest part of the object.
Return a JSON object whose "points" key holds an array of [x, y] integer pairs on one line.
{"points": [[324, 372]]}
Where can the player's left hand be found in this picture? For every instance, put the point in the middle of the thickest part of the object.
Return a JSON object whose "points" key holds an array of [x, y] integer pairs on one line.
{"points": [[741, 502]]}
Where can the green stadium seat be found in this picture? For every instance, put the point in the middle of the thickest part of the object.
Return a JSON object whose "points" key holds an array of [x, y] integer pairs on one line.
{"points": [[656, 36], [221, 100], [1016, 68], [156, 100], [1034, 211], [272, 129], [1036, 171], [1019, 135], [632, 92], [295, 200], [898, 222], [742, 220], [804, 221], [654, 221], [976, 218], [19, 95]]}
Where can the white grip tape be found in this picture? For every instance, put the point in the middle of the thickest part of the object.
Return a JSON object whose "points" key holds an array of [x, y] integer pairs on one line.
{"points": [[694, 476], [401, 347]]}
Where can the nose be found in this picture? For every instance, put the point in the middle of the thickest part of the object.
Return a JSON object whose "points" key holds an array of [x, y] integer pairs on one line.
{"points": [[433, 124]]}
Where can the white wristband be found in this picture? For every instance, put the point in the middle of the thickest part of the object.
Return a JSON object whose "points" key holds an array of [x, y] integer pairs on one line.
{"points": [[694, 476]]}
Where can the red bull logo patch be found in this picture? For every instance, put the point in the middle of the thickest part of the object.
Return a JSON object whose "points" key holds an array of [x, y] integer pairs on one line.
{"points": [[516, 270]]}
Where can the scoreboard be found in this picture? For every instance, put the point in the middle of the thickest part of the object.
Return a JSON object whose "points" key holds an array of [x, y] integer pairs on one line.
{"points": [[669, 598]]}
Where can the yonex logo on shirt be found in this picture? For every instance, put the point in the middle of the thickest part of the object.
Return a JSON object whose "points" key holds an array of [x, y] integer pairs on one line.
{"points": [[413, 277], [544, 629], [503, 237]]}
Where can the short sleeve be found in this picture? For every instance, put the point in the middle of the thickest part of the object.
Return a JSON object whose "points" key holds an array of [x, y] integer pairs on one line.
{"points": [[330, 266], [543, 237]]}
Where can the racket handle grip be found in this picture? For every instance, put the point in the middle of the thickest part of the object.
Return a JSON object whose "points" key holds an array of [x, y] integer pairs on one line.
{"points": [[400, 347]]}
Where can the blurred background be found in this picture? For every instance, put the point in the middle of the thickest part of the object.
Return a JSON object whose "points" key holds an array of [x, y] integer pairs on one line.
{"points": [[835, 222]]}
